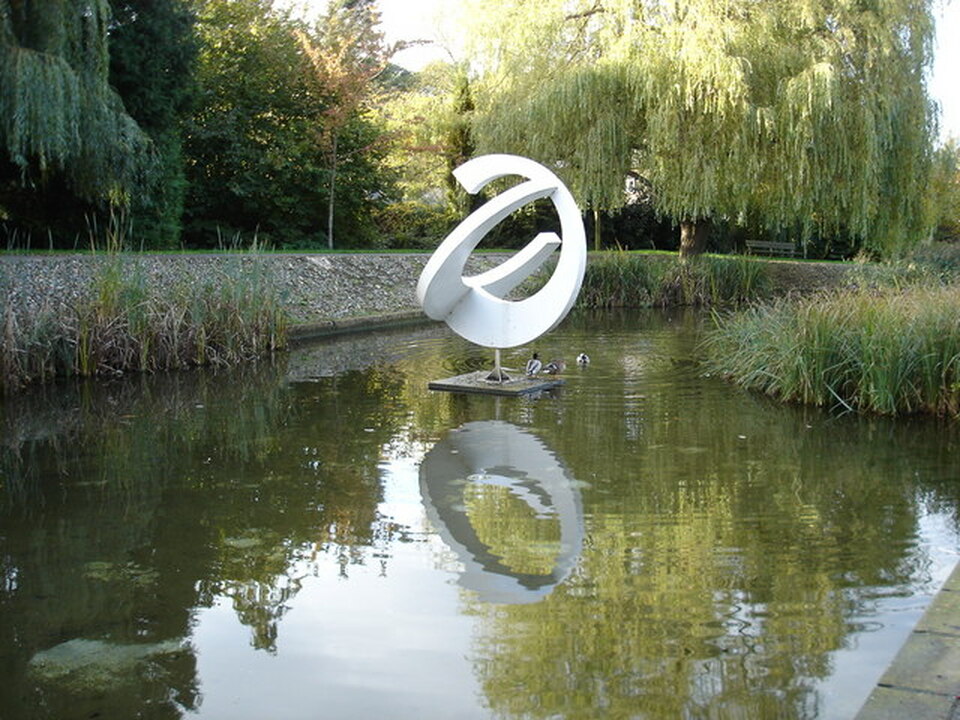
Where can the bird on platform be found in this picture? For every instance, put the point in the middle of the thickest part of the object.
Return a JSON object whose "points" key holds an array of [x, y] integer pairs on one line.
{"points": [[534, 365], [554, 367], [583, 359]]}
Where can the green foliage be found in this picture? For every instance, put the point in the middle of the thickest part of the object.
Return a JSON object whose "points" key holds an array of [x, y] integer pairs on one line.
{"points": [[928, 265], [418, 118], [152, 56], [582, 122], [939, 261], [621, 279], [883, 352], [945, 192], [253, 168], [364, 183], [348, 56], [807, 114], [67, 142], [259, 165], [636, 225], [414, 226], [459, 145]]}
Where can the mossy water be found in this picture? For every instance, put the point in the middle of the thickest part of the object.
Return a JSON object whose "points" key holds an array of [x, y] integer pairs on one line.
{"points": [[274, 541]]}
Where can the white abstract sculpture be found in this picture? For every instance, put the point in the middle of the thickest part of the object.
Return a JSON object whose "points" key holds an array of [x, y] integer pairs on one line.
{"points": [[475, 307]]}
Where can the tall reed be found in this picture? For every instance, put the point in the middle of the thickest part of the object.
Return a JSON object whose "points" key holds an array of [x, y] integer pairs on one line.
{"points": [[127, 324], [887, 352], [625, 279]]}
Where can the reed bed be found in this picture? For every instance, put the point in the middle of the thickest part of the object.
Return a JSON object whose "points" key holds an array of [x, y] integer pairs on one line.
{"points": [[126, 324], [624, 279], [888, 352]]}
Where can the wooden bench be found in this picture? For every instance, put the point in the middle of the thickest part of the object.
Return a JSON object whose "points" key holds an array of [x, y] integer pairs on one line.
{"points": [[771, 247]]}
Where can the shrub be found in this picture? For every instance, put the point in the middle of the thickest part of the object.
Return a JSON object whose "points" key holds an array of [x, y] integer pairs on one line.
{"points": [[886, 351], [623, 279], [123, 325], [413, 225]]}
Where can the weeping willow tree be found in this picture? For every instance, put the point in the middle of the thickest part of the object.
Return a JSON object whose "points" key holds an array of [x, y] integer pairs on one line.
{"points": [[800, 115], [60, 122]]}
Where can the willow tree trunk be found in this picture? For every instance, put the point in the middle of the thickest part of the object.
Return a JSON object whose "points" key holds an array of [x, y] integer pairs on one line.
{"points": [[596, 229], [693, 237]]}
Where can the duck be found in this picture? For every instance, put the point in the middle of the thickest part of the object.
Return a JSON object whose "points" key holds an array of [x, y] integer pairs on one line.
{"points": [[534, 366], [554, 367], [583, 359]]}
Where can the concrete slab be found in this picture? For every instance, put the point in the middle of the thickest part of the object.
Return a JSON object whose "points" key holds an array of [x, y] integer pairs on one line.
{"points": [[898, 704], [477, 382], [923, 681], [928, 662], [943, 615]]}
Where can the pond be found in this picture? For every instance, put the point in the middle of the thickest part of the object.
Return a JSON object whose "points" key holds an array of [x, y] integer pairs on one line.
{"points": [[323, 537]]}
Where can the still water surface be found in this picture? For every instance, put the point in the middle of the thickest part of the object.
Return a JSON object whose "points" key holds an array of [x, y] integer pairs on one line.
{"points": [[326, 538]]}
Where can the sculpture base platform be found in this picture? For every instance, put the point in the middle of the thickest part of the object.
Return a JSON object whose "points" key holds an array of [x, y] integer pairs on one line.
{"points": [[476, 382]]}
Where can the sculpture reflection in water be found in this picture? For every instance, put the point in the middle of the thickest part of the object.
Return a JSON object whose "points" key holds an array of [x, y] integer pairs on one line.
{"points": [[506, 505]]}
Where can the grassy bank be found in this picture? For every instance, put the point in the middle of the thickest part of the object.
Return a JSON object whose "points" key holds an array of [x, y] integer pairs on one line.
{"points": [[625, 279], [126, 324], [887, 351]]}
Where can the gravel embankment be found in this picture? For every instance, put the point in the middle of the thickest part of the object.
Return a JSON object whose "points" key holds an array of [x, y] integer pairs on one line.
{"points": [[318, 290]]}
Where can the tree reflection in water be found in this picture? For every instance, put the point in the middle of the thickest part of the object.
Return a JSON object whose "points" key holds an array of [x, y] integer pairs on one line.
{"points": [[127, 506]]}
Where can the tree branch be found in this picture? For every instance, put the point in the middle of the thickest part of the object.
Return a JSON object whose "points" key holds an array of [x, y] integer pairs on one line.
{"points": [[597, 8]]}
